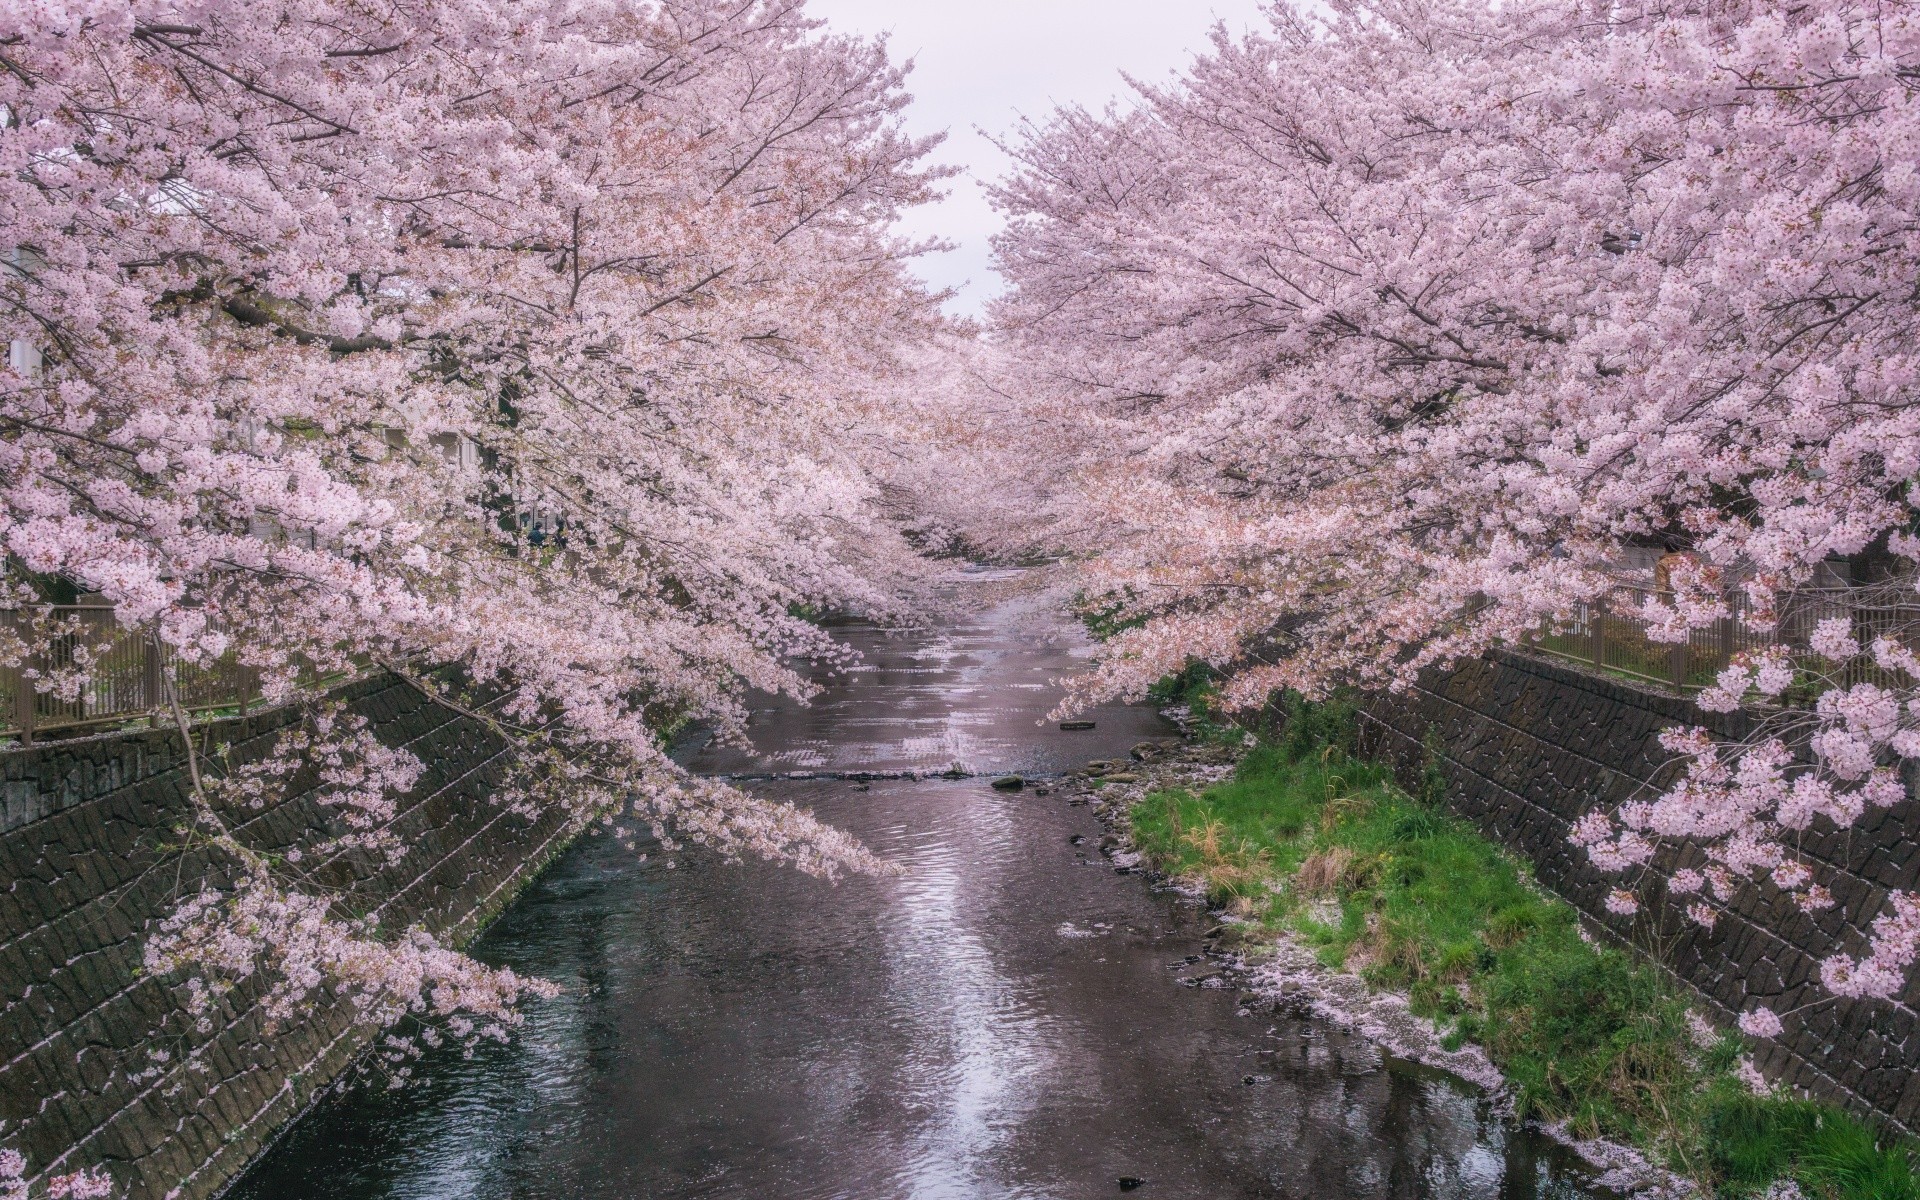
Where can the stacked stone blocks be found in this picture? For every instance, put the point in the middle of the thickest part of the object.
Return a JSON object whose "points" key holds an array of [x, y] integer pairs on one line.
{"points": [[1527, 746], [92, 855]]}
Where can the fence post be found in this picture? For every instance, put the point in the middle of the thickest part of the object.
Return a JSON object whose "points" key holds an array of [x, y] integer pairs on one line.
{"points": [[1598, 648], [1677, 663], [24, 701], [24, 704], [150, 677]]}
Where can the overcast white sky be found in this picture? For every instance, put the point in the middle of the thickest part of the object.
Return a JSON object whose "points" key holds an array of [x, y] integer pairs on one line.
{"points": [[984, 63]]}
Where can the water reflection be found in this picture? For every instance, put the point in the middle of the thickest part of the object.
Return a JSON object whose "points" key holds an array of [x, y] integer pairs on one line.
{"points": [[1001, 1020]]}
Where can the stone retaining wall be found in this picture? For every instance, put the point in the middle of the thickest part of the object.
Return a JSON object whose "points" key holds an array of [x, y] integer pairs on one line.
{"points": [[90, 859], [1529, 745]]}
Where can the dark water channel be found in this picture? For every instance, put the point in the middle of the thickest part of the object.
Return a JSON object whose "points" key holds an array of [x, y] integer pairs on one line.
{"points": [[1004, 1019]]}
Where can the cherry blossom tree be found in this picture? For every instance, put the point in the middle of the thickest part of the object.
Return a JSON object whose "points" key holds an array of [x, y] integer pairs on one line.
{"points": [[1394, 330], [545, 354]]}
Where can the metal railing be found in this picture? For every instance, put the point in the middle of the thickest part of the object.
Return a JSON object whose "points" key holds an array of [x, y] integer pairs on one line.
{"points": [[86, 670], [1604, 637]]}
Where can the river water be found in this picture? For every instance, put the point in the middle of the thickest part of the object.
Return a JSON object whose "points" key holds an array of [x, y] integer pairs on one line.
{"points": [[1004, 1019]]}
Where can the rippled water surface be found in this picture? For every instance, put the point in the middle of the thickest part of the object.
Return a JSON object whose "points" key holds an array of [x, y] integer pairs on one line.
{"points": [[1003, 1019]]}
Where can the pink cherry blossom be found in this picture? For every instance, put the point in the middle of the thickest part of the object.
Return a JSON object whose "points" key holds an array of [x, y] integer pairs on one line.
{"points": [[1895, 946], [1792, 875], [552, 355], [1760, 1022], [1389, 334], [1831, 639]]}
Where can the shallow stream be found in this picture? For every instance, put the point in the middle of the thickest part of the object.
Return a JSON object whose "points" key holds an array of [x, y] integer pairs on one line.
{"points": [[1005, 1019]]}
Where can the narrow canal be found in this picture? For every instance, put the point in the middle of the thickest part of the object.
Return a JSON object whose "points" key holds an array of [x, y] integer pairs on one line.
{"points": [[1004, 1019]]}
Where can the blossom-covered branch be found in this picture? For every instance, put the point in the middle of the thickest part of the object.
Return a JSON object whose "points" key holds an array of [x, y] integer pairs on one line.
{"points": [[550, 350], [1390, 333]]}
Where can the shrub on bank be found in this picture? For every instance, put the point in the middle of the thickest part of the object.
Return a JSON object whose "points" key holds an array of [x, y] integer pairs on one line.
{"points": [[1308, 839]]}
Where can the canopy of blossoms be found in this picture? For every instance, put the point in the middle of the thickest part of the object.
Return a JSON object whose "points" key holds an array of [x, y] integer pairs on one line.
{"points": [[542, 351], [554, 354], [1385, 332]]}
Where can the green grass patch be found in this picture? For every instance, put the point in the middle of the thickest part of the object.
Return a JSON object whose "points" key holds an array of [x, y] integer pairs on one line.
{"points": [[1106, 616], [1195, 689], [1308, 839]]}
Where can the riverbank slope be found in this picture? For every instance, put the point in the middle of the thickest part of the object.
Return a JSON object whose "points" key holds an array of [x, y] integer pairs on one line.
{"points": [[1303, 841]]}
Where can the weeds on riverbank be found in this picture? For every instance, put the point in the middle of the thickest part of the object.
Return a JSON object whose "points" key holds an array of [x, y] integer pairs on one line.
{"points": [[1308, 839], [1106, 617], [1193, 690]]}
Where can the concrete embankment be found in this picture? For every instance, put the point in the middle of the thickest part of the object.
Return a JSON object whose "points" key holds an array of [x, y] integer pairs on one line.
{"points": [[91, 858]]}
